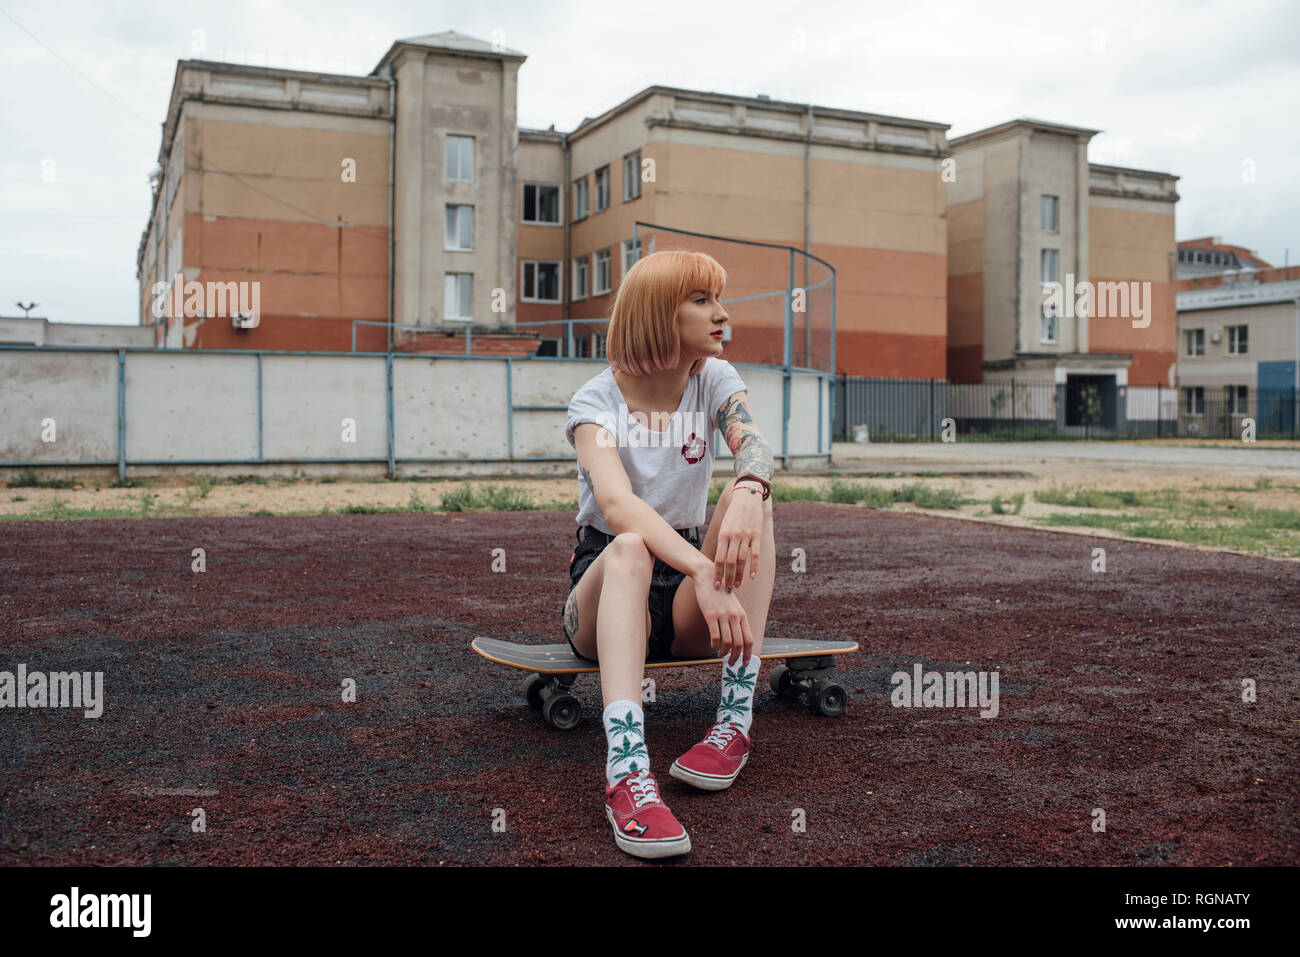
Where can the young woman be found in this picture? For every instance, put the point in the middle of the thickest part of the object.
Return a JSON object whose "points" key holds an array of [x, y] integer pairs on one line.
{"points": [[643, 433]]}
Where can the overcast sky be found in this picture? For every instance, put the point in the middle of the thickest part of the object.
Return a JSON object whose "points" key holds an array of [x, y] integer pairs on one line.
{"points": [[1199, 89]]}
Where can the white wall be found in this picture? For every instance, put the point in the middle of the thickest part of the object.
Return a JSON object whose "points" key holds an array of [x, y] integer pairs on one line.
{"points": [[203, 407]]}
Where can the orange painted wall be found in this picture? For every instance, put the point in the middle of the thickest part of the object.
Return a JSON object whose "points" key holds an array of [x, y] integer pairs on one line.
{"points": [[1127, 245], [1154, 349], [314, 280], [965, 347], [966, 328]]}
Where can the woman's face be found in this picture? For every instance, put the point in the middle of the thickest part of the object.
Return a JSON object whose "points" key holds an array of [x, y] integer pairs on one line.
{"points": [[700, 319]]}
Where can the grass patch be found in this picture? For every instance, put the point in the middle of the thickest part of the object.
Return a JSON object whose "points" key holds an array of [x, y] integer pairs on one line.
{"points": [[487, 498], [58, 509], [1261, 531], [926, 496], [1075, 497], [28, 478], [1000, 505], [416, 504]]}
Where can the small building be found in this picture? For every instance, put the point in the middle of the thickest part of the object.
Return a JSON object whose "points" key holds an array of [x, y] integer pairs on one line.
{"points": [[1026, 210], [1239, 342]]}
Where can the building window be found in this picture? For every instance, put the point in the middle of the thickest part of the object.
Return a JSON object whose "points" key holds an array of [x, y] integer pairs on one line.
{"points": [[1234, 397], [456, 301], [1051, 214], [541, 203], [602, 188], [580, 199], [598, 344], [600, 285], [1047, 327], [1237, 342], [631, 253], [1195, 342], [460, 158], [581, 269], [1048, 321], [1194, 400], [1051, 261], [460, 228], [541, 281], [632, 176]]}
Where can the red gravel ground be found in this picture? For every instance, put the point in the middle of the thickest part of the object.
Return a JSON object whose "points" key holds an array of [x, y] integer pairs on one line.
{"points": [[1119, 691]]}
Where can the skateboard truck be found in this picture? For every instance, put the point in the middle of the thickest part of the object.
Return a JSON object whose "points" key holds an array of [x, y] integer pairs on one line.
{"points": [[808, 678], [798, 678], [550, 693]]}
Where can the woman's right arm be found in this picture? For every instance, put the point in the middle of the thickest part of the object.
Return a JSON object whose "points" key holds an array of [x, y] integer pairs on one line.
{"points": [[626, 512]]}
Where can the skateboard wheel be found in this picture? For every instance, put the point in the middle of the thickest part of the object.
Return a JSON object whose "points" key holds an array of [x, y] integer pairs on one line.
{"points": [[532, 689], [562, 711], [780, 681], [828, 698]]}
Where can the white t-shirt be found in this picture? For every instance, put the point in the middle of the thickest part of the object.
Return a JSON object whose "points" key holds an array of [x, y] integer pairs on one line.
{"points": [[669, 469]]}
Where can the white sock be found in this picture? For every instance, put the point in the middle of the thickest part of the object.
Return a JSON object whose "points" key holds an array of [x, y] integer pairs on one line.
{"points": [[738, 680], [625, 735]]}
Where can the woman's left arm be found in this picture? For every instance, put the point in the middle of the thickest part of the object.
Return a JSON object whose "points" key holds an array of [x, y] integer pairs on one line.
{"points": [[742, 525], [753, 456]]}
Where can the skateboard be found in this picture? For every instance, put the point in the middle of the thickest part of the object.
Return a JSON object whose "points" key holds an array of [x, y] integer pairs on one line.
{"points": [[805, 674]]}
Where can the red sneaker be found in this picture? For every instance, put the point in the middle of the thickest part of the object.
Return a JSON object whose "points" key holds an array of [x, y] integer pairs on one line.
{"points": [[643, 825], [714, 763]]}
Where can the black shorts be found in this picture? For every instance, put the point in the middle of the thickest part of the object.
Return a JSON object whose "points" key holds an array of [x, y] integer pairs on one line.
{"points": [[664, 580]]}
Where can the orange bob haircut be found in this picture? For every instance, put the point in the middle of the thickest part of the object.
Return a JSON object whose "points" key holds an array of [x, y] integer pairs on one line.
{"points": [[643, 335]]}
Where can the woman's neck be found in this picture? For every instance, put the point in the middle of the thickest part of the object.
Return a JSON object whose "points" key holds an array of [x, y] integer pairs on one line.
{"points": [[659, 391]]}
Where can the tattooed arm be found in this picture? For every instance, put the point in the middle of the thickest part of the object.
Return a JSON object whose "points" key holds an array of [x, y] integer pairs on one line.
{"points": [[753, 457]]}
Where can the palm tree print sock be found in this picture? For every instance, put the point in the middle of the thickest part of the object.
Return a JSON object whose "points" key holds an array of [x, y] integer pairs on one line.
{"points": [[625, 734], [738, 682]]}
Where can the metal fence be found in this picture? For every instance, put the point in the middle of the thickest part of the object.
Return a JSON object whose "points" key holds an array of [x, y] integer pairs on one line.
{"points": [[929, 410]]}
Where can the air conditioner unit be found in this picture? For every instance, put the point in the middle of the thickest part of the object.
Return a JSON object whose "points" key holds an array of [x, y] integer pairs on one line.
{"points": [[245, 320], [1193, 427], [726, 333], [1216, 336]]}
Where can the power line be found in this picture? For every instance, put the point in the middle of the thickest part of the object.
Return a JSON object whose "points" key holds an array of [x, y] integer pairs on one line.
{"points": [[52, 53], [152, 125]]}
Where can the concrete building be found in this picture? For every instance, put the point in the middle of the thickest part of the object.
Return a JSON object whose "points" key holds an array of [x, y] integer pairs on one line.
{"points": [[283, 178], [412, 196], [274, 177], [1026, 208], [1210, 256], [39, 331], [1239, 342], [858, 190]]}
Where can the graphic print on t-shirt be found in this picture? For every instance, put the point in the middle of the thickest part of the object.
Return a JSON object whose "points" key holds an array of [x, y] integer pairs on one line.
{"points": [[694, 449]]}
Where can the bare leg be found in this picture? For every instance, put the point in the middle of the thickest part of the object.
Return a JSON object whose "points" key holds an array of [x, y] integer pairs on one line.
{"points": [[609, 610]]}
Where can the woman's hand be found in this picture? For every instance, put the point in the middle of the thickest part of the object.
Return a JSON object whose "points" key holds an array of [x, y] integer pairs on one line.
{"points": [[738, 537], [728, 625]]}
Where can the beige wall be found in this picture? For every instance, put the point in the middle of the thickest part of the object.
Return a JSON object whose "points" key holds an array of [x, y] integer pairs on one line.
{"points": [[1132, 240], [475, 96], [256, 166], [1271, 337], [877, 216]]}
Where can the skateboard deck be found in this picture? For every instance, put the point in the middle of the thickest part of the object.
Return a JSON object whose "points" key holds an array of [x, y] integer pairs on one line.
{"points": [[559, 659], [805, 674]]}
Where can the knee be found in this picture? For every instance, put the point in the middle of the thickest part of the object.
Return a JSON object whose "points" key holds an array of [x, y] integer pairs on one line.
{"points": [[630, 549]]}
